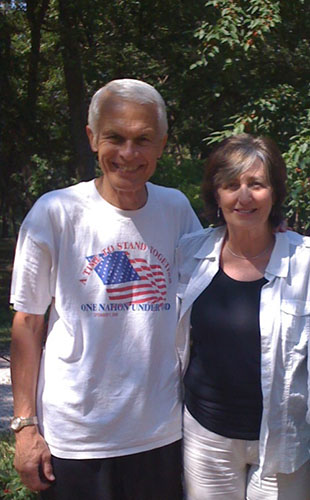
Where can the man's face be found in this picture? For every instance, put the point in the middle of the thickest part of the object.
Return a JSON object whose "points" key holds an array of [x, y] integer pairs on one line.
{"points": [[128, 146]]}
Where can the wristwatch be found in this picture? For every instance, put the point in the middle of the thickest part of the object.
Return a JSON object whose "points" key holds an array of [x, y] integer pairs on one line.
{"points": [[17, 423]]}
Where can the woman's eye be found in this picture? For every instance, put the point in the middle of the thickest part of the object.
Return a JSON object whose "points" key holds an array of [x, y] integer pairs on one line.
{"points": [[232, 185], [257, 184]]}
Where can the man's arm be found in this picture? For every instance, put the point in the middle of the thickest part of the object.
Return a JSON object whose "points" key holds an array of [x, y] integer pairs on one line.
{"points": [[32, 454]]}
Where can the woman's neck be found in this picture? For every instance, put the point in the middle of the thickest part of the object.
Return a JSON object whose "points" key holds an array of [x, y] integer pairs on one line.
{"points": [[249, 244], [245, 255]]}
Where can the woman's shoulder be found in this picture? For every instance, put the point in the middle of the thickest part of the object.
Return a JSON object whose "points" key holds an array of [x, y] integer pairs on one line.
{"points": [[199, 240], [298, 240], [196, 247]]}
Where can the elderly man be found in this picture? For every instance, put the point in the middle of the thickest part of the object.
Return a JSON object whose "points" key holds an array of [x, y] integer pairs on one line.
{"points": [[97, 408]]}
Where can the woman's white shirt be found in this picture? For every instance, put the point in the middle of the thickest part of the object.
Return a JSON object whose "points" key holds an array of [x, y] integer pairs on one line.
{"points": [[285, 331]]}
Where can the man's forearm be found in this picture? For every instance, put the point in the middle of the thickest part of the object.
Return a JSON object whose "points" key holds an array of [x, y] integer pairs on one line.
{"points": [[32, 456], [26, 348]]}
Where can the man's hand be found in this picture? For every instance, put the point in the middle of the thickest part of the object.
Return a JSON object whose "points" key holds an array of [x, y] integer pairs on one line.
{"points": [[33, 459]]}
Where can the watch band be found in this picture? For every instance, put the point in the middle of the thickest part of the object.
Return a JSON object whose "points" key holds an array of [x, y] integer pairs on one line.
{"points": [[18, 423]]}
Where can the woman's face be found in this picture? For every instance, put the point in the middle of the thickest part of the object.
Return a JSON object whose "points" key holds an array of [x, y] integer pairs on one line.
{"points": [[246, 201]]}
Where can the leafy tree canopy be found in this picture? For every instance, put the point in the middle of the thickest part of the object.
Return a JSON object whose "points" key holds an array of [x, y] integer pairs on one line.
{"points": [[223, 67]]}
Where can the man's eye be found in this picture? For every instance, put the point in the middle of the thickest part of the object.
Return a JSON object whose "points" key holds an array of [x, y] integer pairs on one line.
{"points": [[142, 140], [114, 138]]}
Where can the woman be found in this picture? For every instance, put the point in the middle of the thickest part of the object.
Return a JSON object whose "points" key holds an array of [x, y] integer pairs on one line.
{"points": [[245, 291]]}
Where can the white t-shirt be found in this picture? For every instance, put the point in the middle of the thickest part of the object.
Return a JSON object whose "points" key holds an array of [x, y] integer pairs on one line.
{"points": [[109, 380]]}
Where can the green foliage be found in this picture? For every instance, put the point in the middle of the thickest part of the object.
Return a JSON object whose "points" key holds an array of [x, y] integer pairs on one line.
{"points": [[298, 160], [10, 485], [223, 67], [185, 175], [7, 246], [261, 49], [6, 317], [41, 177], [233, 26]]}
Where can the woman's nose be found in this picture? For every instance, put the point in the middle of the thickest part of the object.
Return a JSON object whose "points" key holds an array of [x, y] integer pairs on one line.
{"points": [[244, 194]]}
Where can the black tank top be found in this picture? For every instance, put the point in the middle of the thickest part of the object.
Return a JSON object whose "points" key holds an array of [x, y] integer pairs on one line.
{"points": [[223, 380]]}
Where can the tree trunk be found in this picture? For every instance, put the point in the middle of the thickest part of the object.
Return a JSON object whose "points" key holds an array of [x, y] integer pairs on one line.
{"points": [[75, 88], [36, 11]]}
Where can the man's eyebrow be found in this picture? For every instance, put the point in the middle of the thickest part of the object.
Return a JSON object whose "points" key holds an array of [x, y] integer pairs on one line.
{"points": [[109, 132], [146, 132]]}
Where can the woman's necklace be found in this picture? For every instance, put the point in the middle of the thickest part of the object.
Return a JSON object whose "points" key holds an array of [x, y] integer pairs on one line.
{"points": [[248, 258]]}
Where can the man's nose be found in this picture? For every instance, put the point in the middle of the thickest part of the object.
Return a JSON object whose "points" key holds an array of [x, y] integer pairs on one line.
{"points": [[128, 150]]}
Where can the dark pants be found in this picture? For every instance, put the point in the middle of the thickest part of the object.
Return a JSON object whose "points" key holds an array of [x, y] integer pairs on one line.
{"points": [[150, 475]]}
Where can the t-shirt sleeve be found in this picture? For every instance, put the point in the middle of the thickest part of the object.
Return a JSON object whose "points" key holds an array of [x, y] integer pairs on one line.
{"points": [[32, 288], [191, 222]]}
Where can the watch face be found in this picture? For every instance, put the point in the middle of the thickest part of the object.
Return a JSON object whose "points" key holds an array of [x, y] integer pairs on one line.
{"points": [[16, 423]]}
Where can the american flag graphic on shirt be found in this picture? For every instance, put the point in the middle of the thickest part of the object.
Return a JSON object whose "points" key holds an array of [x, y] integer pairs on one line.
{"points": [[128, 280]]}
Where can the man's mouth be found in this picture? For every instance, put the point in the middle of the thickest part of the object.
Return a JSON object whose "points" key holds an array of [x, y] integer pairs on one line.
{"points": [[124, 168]]}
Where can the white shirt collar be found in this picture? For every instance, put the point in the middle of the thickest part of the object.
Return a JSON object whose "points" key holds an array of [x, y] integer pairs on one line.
{"points": [[279, 261]]}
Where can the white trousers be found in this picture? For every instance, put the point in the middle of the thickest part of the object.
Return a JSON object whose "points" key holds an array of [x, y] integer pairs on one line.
{"points": [[220, 468]]}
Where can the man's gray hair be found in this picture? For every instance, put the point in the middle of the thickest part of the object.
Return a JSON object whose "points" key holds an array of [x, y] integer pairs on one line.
{"points": [[128, 90]]}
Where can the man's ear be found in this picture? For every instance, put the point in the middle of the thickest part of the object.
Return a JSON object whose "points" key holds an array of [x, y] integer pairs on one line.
{"points": [[92, 139], [162, 145]]}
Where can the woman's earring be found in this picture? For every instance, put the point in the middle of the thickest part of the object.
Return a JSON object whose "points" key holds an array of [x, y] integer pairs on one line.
{"points": [[218, 213]]}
